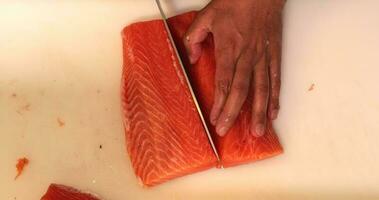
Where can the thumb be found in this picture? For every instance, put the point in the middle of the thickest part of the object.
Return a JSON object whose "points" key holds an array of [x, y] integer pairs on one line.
{"points": [[195, 35]]}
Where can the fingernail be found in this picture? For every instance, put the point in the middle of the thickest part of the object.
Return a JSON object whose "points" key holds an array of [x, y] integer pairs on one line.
{"points": [[259, 130], [212, 117], [274, 114], [221, 131]]}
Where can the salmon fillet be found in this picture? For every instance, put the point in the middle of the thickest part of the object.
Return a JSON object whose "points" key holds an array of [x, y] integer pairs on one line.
{"points": [[61, 192], [164, 135]]}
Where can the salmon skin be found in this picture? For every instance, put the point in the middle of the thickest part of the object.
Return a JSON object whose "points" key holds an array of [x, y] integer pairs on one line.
{"points": [[62, 192], [164, 134]]}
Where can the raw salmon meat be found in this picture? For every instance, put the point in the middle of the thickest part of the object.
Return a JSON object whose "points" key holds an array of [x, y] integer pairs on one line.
{"points": [[164, 135], [21, 163], [62, 192]]}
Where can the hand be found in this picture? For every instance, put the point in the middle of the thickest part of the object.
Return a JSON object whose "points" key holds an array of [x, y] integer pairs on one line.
{"points": [[247, 36]]}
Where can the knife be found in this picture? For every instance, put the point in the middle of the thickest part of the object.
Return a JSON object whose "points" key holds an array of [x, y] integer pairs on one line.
{"points": [[187, 80]]}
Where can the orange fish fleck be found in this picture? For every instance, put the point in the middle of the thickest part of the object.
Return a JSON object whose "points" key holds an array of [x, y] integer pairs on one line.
{"points": [[61, 123], [26, 107], [22, 162], [312, 87]]}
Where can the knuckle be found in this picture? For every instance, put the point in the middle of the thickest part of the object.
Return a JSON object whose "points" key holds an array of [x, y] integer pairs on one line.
{"points": [[278, 79], [274, 104], [223, 86]]}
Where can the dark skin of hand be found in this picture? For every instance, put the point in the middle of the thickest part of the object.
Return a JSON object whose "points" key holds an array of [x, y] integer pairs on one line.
{"points": [[247, 36]]}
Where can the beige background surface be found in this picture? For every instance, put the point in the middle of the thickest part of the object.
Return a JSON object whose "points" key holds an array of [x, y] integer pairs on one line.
{"points": [[62, 59]]}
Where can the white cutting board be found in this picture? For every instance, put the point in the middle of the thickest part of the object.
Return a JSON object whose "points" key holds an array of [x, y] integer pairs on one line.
{"points": [[62, 59]]}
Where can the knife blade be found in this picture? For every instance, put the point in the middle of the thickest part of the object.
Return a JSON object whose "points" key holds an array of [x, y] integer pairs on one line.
{"points": [[199, 111]]}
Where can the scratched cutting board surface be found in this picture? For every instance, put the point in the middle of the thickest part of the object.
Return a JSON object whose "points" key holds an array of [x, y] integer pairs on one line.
{"points": [[60, 69]]}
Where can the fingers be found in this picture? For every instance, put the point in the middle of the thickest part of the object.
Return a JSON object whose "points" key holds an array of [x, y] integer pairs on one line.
{"points": [[260, 97], [238, 92], [275, 52], [225, 67], [274, 71], [196, 34]]}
